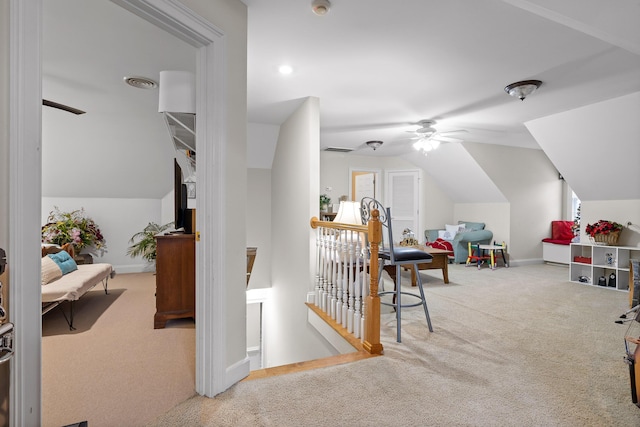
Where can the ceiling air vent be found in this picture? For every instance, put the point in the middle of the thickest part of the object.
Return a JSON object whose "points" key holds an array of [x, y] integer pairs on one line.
{"points": [[338, 149]]}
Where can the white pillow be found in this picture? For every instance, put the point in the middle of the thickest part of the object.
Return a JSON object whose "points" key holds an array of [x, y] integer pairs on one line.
{"points": [[49, 270], [443, 234], [453, 229]]}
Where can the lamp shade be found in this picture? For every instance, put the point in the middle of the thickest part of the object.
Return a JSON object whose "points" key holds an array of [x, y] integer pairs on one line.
{"points": [[349, 213], [177, 92]]}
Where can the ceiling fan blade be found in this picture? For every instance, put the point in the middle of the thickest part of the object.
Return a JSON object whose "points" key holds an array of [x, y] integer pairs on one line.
{"points": [[448, 132], [442, 138], [63, 107]]}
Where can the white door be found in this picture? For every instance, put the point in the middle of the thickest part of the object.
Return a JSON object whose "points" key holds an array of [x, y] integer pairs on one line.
{"points": [[403, 199], [364, 183]]}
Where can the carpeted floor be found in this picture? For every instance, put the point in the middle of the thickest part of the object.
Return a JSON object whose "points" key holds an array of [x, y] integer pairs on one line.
{"points": [[517, 346], [115, 369]]}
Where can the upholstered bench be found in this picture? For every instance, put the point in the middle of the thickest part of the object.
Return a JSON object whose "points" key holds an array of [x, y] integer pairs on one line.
{"points": [[70, 282], [557, 248]]}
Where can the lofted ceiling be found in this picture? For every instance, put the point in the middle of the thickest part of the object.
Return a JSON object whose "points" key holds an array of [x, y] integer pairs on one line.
{"points": [[379, 67]]}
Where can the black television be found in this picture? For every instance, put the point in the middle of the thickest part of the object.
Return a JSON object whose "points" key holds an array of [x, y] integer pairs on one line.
{"points": [[180, 196]]}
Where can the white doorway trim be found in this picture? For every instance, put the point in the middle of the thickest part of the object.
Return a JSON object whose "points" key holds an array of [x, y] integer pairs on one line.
{"points": [[212, 375], [25, 197], [25, 172]]}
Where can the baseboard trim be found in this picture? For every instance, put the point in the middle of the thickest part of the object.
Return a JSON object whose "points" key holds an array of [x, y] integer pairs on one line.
{"points": [[237, 372]]}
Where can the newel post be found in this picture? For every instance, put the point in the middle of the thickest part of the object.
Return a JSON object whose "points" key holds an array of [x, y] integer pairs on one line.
{"points": [[372, 302]]}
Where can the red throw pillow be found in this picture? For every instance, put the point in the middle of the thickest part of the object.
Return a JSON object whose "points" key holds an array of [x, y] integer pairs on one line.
{"points": [[561, 230]]}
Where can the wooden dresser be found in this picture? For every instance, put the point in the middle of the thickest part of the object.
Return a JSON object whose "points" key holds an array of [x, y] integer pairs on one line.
{"points": [[175, 278]]}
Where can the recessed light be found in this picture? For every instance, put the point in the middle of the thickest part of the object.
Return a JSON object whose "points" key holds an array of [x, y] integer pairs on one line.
{"points": [[285, 69]]}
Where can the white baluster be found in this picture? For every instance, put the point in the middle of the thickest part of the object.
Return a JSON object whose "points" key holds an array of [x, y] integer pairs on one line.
{"points": [[353, 284], [348, 282], [336, 272], [360, 291], [326, 274], [316, 289], [343, 276]]}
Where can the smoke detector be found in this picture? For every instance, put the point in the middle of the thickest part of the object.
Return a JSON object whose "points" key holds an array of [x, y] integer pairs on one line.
{"points": [[320, 7]]}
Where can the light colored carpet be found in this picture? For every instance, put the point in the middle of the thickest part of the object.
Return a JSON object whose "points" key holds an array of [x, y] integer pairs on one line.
{"points": [[115, 369], [517, 346]]}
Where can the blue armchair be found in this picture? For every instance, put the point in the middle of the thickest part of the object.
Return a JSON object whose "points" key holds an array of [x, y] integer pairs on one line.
{"points": [[474, 232]]}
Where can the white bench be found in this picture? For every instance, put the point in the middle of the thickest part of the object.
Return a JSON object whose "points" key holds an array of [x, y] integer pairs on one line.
{"points": [[556, 253]]}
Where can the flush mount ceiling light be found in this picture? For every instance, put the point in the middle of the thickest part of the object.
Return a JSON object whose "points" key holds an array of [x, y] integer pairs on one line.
{"points": [[320, 7], [140, 82], [522, 89], [374, 144]]}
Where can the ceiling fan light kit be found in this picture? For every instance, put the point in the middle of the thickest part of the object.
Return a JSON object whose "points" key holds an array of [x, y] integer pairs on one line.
{"points": [[425, 145], [320, 7], [522, 89], [374, 144]]}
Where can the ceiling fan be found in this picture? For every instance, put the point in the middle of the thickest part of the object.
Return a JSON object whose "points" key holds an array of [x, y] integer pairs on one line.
{"points": [[428, 138], [63, 107]]}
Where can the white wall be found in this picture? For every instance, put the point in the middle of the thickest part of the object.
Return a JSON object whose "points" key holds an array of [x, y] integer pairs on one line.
{"points": [[496, 216], [530, 183], [526, 177], [231, 17], [121, 147], [118, 219], [436, 207], [622, 211], [596, 147], [295, 193], [259, 210]]}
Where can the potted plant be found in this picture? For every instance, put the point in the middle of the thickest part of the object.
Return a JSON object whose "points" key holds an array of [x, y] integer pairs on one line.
{"points": [[73, 227], [324, 202], [144, 242], [604, 231]]}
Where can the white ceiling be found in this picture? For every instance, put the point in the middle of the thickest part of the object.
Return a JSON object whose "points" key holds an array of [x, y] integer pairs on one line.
{"points": [[375, 66], [121, 147], [378, 66]]}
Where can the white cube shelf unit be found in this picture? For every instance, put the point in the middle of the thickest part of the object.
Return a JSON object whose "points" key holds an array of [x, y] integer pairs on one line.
{"points": [[604, 261]]}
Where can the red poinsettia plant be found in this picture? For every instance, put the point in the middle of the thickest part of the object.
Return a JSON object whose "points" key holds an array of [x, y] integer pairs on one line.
{"points": [[602, 227]]}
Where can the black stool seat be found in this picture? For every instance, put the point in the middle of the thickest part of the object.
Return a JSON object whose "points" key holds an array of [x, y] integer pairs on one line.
{"points": [[406, 254], [397, 256]]}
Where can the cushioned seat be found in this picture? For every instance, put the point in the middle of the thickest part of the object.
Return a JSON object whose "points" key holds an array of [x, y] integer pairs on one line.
{"points": [[397, 256], [72, 286]]}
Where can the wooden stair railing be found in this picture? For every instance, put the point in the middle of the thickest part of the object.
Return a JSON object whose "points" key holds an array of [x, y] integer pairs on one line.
{"points": [[347, 255]]}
